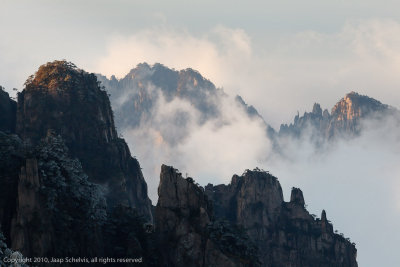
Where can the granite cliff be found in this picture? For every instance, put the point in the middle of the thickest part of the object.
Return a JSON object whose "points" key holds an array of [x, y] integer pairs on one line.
{"points": [[66, 101], [68, 185], [49, 208], [245, 223], [187, 231]]}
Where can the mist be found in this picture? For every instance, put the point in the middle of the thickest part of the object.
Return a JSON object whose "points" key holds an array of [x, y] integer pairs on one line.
{"points": [[176, 134], [280, 58], [355, 180], [279, 74]]}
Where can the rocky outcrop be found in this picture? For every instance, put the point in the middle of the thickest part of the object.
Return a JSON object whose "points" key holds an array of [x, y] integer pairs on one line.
{"points": [[186, 230], [347, 114], [345, 119], [284, 232], [8, 108], [315, 122], [64, 100]]}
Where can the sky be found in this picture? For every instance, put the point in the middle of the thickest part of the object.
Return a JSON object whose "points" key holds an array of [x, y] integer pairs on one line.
{"points": [[280, 57]]}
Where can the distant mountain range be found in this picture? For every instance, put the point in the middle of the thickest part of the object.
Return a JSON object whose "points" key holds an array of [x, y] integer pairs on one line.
{"points": [[134, 99]]}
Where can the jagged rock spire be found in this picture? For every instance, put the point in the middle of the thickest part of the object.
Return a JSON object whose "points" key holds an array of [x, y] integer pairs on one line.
{"points": [[297, 196], [323, 215], [317, 109]]}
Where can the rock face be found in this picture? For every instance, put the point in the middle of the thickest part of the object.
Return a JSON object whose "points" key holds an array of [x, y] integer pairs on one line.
{"points": [[56, 204], [47, 200], [274, 232], [68, 185], [187, 232], [284, 232], [11, 160], [345, 119], [66, 101], [8, 108], [347, 114], [48, 207]]}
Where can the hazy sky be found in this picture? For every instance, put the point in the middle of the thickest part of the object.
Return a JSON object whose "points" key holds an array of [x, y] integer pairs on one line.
{"points": [[280, 56]]}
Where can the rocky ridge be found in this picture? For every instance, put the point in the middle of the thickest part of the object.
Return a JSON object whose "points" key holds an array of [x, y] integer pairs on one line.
{"points": [[345, 119], [284, 232]]}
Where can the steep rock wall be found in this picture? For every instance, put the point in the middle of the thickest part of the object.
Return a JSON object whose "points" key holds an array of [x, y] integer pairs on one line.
{"points": [[187, 233], [61, 99]]}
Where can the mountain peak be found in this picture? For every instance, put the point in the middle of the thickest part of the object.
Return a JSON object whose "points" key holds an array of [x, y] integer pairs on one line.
{"points": [[141, 89], [354, 105], [317, 109], [56, 74], [352, 93], [297, 196], [344, 118]]}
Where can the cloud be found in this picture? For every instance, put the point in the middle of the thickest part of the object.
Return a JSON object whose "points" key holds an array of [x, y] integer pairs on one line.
{"points": [[208, 52], [210, 151], [279, 73], [356, 181]]}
